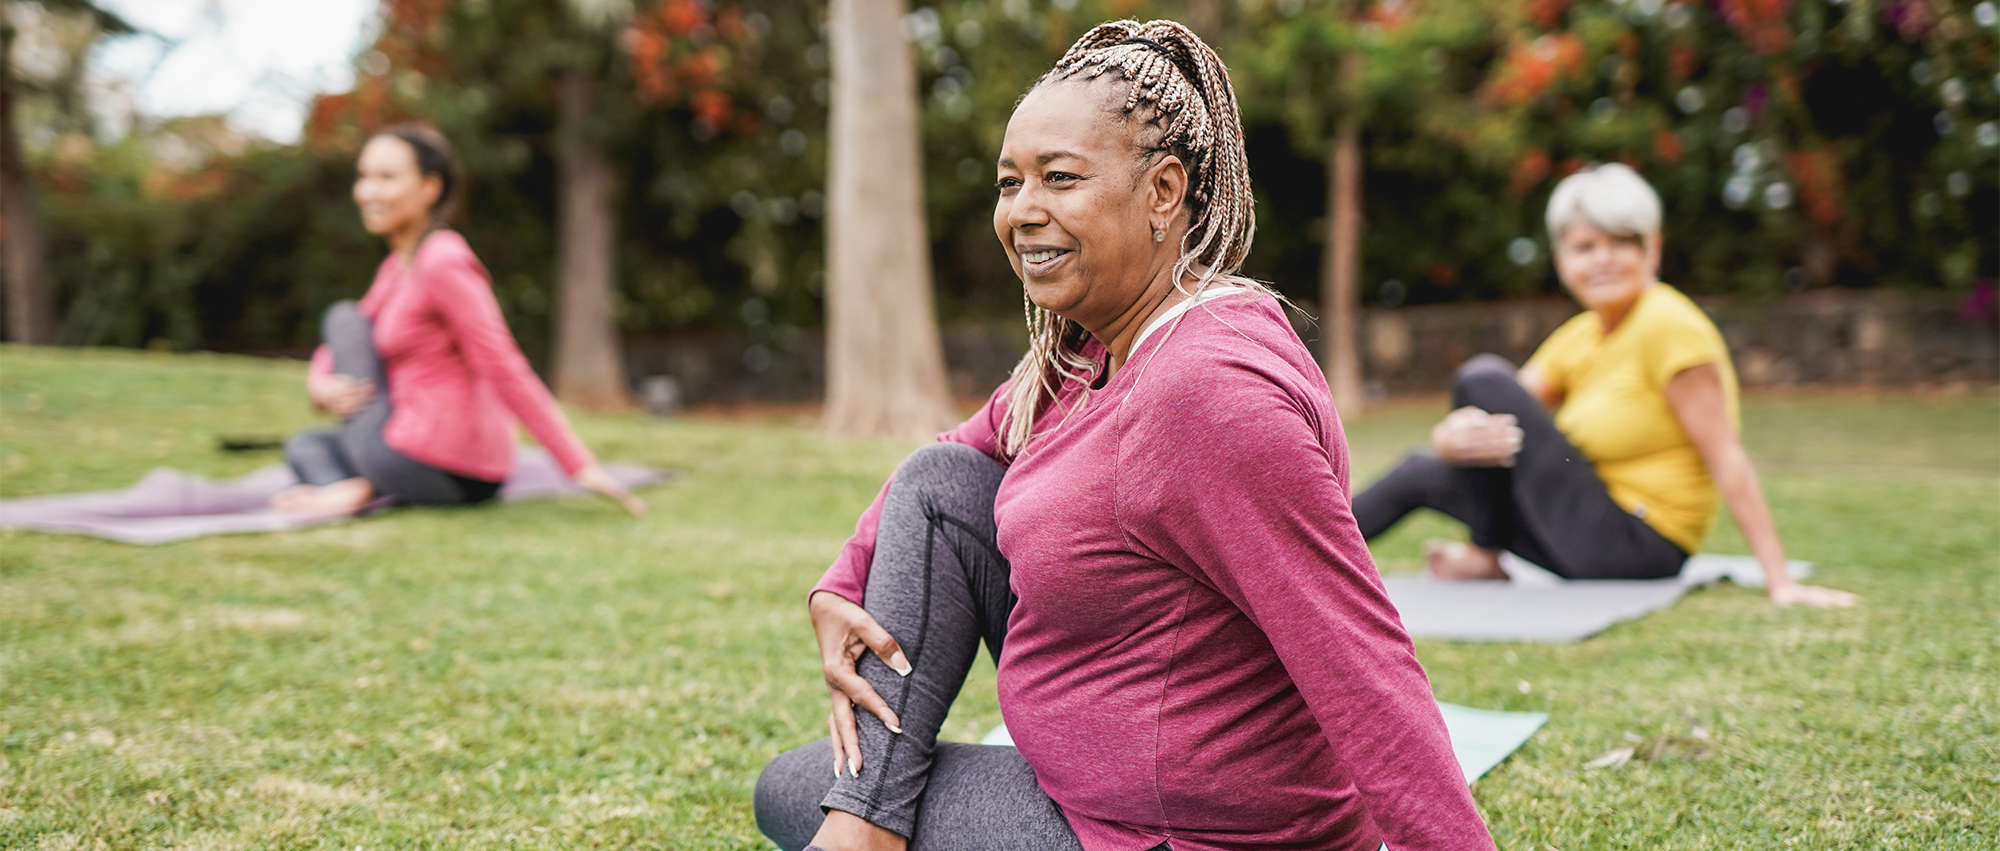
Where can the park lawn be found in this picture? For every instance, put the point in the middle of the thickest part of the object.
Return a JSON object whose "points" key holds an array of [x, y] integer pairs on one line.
{"points": [[557, 675]]}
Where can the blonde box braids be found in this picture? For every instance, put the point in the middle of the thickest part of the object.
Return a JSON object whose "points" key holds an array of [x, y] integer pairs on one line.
{"points": [[1178, 93]]}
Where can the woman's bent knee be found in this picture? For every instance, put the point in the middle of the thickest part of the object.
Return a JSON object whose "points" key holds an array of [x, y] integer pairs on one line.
{"points": [[1483, 378], [948, 464], [1484, 365], [341, 315], [786, 801]]}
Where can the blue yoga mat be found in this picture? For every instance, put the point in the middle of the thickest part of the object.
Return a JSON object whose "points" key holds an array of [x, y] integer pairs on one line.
{"points": [[1480, 738]]}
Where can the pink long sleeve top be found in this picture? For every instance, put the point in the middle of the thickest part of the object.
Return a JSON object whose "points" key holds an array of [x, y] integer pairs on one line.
{"points": [[457, 380], [1203, 652]]}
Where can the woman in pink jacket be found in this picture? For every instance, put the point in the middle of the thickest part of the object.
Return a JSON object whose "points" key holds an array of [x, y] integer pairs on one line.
{"points": [[1147, 527], [423, 373]]}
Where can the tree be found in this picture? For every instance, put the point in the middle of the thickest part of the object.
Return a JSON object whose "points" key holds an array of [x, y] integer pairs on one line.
{"points": [[1320, 63], [885, 363], [590, 370], [1340, 287], [31, 316], [30, 294]]}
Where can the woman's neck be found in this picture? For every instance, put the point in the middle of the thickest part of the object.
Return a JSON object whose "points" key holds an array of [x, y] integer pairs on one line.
{"points": [[403, 243], [1613, 315], [1120, 338]]}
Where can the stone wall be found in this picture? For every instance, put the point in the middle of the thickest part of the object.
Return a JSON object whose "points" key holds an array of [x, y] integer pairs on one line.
{"points": [[717, 368], [1822, 337]]}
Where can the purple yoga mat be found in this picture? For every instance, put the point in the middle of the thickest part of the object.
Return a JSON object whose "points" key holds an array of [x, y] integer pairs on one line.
{"points": [[170, 505]]}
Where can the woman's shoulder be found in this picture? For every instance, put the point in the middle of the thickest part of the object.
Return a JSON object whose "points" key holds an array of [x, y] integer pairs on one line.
{"points": [[1225, 348], [1232, 378], [1247, 324], [1669, 312], [446, 250], [1570, 339]]}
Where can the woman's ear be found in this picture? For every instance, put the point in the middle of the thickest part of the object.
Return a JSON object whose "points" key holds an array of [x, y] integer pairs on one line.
{"points": [[433, 192], [1166, 189]]}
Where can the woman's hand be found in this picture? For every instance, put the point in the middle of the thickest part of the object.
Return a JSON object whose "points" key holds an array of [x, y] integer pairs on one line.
{"points": [[1470, 437], [845, 631], [339, 395], [1790, 593], [597, 481]]}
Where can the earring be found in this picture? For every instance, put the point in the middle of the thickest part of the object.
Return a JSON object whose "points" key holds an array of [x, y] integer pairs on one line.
{"points": [[1159, 236]]}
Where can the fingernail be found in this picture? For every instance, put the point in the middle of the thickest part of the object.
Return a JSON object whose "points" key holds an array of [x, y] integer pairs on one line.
{"points": [[893, 728], [853, 768], [900, 664]]}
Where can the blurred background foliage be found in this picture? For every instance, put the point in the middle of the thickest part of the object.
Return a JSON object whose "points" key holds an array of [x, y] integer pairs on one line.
{"points": [[1797, 144]]}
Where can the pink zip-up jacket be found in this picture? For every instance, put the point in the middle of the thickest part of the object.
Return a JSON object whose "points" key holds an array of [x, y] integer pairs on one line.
{"points": [[457, 380], [1203, 652]]}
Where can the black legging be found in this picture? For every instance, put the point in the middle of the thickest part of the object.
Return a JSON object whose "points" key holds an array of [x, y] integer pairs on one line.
{"points": [[357, 449], [1549, 508]]}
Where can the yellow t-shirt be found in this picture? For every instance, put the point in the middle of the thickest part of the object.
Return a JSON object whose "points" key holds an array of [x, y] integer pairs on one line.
{"points": [[1615, 407]]}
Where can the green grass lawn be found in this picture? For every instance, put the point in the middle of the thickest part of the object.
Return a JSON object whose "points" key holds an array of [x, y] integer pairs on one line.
{"points": [[558, 675]]}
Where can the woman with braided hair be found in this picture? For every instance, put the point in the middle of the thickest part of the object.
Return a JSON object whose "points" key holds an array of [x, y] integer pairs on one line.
{"points": [[1147, 526]]}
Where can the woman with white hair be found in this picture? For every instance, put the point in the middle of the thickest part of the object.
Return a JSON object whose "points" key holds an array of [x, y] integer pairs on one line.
{"points": [[1147, 526], [1621, 480]]}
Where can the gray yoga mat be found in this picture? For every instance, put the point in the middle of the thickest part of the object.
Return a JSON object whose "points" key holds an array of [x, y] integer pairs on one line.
{"points": [[1480, 738], [1536, 605], [170, 505]]}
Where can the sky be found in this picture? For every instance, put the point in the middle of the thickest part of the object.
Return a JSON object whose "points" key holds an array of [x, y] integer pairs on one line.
{"points": [[258, 61]]}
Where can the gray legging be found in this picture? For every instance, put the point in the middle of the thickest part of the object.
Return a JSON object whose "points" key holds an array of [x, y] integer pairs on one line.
{"points": [[1549, 508], [939, 585], [357, 448]]}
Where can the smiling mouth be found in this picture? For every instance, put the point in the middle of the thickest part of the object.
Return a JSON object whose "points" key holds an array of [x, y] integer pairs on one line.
{"points": [[1042, 259]]}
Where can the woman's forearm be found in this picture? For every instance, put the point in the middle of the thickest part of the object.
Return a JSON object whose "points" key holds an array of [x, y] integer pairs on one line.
{"points": [[1737, 480]]}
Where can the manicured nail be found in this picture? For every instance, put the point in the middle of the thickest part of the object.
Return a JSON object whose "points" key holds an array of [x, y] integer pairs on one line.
{"points": [[853, 767], [899, 664], [893, 728], [836, 769]]}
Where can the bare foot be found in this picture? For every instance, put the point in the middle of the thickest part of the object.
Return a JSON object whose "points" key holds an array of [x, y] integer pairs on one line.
{"points": [[844, 831], [1454, 561], [340, 498]]}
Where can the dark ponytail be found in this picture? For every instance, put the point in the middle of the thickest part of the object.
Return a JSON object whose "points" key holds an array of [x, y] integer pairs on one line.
{"points": [[435, 158]]}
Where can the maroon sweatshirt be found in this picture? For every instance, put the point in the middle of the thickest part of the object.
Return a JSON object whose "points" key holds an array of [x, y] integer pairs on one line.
{"points": [[1203, 651]]}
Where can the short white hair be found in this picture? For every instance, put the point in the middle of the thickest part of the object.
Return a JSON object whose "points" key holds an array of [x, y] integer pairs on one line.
{"points": [[1611, 197]]}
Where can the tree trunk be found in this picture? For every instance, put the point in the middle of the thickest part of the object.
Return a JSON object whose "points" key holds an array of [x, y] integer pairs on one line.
{"points": [[885, 363], [1339, 290], [590, 372], [31, 315]]}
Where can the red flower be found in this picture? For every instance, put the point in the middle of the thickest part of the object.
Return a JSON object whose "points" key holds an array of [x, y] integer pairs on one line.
{"points": [[1546, 13], [682, 16], [1667, 146], [1530, 69], [712, 105], [1816, 173], [1683, 62], [1529, 171], [1760, 23]]}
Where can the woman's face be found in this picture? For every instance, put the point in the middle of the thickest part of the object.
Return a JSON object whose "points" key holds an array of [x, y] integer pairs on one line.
{"points": [[394, 196], [1077, 212], [1605, 271]]}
